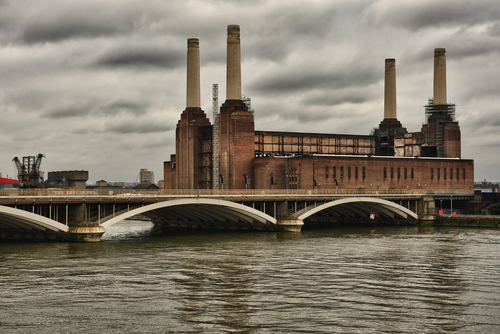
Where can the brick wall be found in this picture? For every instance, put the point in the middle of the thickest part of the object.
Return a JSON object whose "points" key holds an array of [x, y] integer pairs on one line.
{"points": [[365, 172]]}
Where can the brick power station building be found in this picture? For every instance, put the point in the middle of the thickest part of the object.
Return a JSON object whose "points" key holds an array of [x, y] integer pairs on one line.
{"points": [[231, 154]]}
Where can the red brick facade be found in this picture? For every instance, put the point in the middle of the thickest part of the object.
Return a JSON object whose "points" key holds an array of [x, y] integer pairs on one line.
{"points": [[236, 144], [370, 173]]}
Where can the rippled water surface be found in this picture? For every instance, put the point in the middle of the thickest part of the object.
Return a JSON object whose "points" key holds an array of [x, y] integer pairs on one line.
{"points": [[382, 280]]}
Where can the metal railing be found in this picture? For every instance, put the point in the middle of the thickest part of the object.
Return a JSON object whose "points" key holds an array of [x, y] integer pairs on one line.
{"points": [[53, 192]]}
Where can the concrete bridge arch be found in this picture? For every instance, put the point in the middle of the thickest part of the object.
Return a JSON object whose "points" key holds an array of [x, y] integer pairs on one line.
{"points": [[359, 207], [12, 218], [179, 212]]}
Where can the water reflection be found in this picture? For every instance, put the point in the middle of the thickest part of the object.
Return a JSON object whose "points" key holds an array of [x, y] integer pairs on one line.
{"points": [[404, 280]]}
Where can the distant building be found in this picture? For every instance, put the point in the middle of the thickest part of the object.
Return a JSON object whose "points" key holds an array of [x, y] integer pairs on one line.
{"points": [[146, 186], [161, 184], [75, 179], [101, 183], [8, 183], [146, 176]]}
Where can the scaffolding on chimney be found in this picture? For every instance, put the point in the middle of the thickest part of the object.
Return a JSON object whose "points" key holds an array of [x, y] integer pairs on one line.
{"points": [[442, 112], [215, 136]]}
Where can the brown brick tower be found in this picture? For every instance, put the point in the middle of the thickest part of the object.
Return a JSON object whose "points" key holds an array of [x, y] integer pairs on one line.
{"points": [[390, 127], [188, 160], [236, 128], [442, 132]]}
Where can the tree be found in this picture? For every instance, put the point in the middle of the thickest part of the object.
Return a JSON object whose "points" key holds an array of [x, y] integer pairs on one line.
{"points": [[494, 209]]}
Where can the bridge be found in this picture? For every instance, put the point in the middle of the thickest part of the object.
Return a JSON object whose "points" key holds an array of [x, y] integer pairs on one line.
{"points": [[83, 215]]}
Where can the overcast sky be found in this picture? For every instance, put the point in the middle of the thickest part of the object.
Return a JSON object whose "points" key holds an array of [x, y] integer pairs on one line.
{"points": [[99, 85]]}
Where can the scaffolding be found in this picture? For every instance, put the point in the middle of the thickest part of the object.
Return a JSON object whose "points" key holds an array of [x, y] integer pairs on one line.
{"points": [[441, 112], [215, 136]]}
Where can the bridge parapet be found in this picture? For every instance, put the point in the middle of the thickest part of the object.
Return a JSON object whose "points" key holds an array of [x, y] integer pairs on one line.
{"points": [[53, 192]]}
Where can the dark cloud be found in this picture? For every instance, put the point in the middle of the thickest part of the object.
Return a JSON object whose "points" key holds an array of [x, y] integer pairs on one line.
{"points": [[72, 111], [138, 127], [118, 107], [312, 78], [337, 97], [74, 19], [415, 15], [140, 56]]}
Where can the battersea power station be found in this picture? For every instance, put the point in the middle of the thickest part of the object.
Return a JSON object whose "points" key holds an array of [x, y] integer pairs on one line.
{"points": [[231, 154]]}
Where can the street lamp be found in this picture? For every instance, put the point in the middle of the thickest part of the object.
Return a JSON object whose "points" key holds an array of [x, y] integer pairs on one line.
{"points": [[451, 204]]}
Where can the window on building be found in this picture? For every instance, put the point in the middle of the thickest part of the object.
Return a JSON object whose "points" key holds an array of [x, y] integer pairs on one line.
{"points": [[439, 173], [356, 172], [385, 172], [412, 174], [392, 172], [399, 172], [334, 172], [463, 174], [432, 173], [342, 171], [364, 172], [173, 165], [349, 172], [444, 173], [451, 173], [458, 174], [326, 172], [406, 173]]}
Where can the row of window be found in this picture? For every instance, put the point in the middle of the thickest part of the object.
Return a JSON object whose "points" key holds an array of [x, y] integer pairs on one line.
{"points": [[356, 172], [396, 172], [412, 174], [457, 175]]}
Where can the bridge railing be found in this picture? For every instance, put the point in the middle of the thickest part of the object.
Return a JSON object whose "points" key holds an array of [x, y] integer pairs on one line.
{"points": [[56, 192]]}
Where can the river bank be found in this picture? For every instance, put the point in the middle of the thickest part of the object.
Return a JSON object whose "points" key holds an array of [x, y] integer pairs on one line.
{"points": [[466, 221]]}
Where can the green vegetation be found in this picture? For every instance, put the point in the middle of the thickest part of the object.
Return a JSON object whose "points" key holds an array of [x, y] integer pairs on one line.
{"points": [[494, 209]]}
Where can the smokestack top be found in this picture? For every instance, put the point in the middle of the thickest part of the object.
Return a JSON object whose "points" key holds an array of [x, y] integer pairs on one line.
{"points": [[390, 111], [193, 42], [440, 76], [193, 74], [233, 71]]}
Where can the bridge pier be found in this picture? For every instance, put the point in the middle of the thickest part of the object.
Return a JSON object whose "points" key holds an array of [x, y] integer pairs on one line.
{"points": [[85, 231], [81, 230], [427, 208], [289, 224]]}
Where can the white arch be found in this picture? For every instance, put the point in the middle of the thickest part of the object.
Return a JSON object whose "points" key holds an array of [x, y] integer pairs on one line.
{"points": [[236, 209], [30, 219], [395, 208]]}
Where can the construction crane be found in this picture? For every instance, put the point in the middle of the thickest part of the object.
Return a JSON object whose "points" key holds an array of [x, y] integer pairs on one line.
{"points": [[28, 172]]}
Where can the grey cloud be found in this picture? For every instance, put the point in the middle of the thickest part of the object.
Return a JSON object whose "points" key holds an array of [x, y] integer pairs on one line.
{"points": [[308, 79], [141, 56], [417, 15], [336, 97], [71, 111], [56, 21], [138, 127], [123, 106]]}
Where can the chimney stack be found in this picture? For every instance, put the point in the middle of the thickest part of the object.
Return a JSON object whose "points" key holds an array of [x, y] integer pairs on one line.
{"points": [[390, 110], [233, 72], [193, 74], [440, 76]]}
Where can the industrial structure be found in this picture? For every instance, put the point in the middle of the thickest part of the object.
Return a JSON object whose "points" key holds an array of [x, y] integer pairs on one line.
{"points": [[231, 154], [28, 171]]}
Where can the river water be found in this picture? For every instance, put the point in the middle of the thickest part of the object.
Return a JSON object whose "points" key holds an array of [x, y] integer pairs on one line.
{"points": [[359, 280]]}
